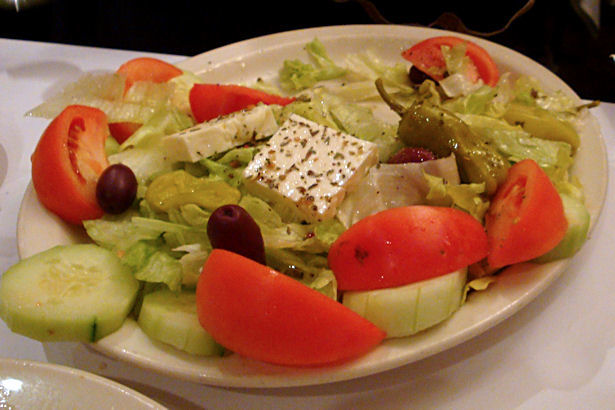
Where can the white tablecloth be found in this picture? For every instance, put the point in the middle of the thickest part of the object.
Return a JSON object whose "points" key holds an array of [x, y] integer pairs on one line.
{"points": [[558, 352]]}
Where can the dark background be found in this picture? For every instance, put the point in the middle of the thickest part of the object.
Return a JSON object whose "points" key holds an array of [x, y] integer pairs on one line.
{"points": [[556, 33]]}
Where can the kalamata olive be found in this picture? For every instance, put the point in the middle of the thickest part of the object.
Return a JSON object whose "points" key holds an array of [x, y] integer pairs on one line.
{"points": [[411, 154], [417, 76], [230, 227], [116, 189]]}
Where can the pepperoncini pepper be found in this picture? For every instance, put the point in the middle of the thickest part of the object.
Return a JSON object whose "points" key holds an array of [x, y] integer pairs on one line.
{"points": [[429, 126]]}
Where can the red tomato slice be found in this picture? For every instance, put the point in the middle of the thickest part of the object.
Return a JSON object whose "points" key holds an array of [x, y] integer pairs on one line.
{"points": [[209, 101], [121, 131], [427, 57], [403, 245], [148, 69], [67, 161], [262, 314], [526, 217]]}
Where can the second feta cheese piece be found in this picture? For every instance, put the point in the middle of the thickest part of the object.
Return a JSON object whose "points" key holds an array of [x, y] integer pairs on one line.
{"points": [[306, 169], [220, 134]]}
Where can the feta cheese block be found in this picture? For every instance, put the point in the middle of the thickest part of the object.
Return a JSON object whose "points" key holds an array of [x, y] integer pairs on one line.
{"points": [[220, 134], [306, 169]]}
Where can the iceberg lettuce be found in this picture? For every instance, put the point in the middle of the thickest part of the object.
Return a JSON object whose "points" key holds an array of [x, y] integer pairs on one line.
{"points": [[151, 264], [467, 197], [119, 232], [394, 185], [143, 153], [296, 75], [516, 144], [278, 234], [231, 165], [367, 67], [311, 270]]}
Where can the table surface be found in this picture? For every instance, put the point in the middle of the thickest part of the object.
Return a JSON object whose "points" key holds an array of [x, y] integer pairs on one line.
{"points": [[557, 352]]}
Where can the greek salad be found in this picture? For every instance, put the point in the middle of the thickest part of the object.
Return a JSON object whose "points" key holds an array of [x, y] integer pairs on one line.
{"points": [[288, 220]]}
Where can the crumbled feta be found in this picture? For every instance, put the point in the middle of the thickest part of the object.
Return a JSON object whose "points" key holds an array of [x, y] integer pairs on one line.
{"points": [[308, 168], [220, 134]]}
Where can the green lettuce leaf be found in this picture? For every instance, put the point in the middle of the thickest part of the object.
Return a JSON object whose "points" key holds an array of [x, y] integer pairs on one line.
{"points": [[104, 91], [554, 157], [467, 197], [192, 262], [359, 121], [175, 232], [367, 66], [119, 232], [296, 75], [163, 122], [278, 234], [328, 231], [182, 84], [515, 144], [455, 59], [143, 152], [151, 264], [308, 269], [231, 165], [314, 108], [480, 101]]}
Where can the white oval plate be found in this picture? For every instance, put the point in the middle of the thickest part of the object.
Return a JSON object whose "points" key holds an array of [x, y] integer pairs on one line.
{"points": [[34, 385], [262, 57]]}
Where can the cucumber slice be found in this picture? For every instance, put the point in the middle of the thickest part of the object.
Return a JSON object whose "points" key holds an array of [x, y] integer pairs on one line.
{"points": [[171, 318], [578, 226], [67, 293], [405, 310]]}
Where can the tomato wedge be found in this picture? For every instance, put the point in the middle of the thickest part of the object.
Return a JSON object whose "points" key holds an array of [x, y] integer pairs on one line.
{"points": [[262, 314], [67, 161], [209, 101], [141, 69], [526, 217], [427, 57], [404, 245]]}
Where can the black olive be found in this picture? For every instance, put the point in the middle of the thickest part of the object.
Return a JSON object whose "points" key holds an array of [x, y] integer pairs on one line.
{"points": [[417, 76], [231, 227], [116, 189]]}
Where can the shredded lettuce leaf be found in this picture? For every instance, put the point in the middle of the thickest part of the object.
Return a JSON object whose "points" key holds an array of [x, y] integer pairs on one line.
{"points": [[231, 165], [368, 66], [153, 265], [143, 153], [467, 197], [182, 84], [192, 263], [296, 75], [278, 234], [106, 92], [119, 232], [516, 144], [309, 269]]}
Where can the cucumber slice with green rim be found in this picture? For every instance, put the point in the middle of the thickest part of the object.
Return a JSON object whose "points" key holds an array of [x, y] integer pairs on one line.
{"points": [[405, 310], [67, 293], [578, 227], [171, 318]]}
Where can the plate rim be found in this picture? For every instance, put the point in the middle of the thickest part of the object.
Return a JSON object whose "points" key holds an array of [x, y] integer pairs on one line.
{"points": [[14, 366], [282, 380]]}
